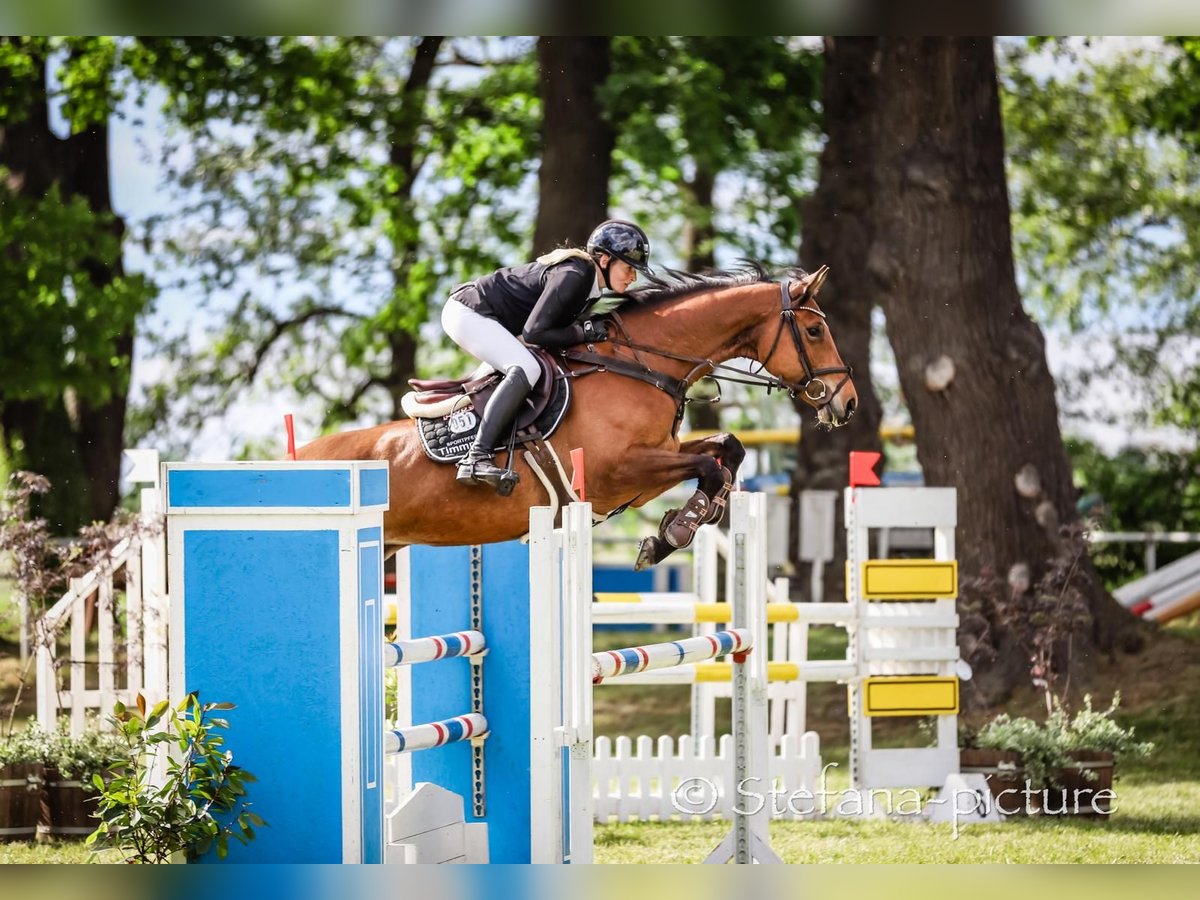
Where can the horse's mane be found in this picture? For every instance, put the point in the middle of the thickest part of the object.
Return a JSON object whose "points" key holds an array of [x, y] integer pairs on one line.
{"points": [[671, 284]]}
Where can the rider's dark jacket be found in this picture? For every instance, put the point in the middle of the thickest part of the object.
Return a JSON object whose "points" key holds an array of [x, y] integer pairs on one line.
{"points": [[541, 303]]}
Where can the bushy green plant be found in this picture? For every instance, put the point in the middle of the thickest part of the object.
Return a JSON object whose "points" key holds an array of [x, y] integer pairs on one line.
{"points": [[198, 806], [1092, 729], [1044, 747], [86, 755], [29, 745]]}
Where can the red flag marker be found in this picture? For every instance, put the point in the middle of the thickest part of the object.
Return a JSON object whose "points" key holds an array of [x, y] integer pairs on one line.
{"points": [[578, 479], [290, 427], [862, 469]]}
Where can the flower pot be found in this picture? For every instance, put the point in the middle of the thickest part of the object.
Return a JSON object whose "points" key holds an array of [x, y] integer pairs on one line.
{"points": [[66, 808], [1090, 772], [20, 796], [1005, 778]]}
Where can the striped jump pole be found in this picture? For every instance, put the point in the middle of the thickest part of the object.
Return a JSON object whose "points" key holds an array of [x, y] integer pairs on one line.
{"points": [[613, 663], [435, 734], [430, 649]]}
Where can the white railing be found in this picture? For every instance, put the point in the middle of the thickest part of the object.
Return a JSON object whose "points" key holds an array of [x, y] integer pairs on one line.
{"points": [[131, 625], [1151, 539]]}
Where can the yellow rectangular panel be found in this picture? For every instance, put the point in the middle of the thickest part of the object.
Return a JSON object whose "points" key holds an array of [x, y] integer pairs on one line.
{"points": [[909, 579], [910, 695]]}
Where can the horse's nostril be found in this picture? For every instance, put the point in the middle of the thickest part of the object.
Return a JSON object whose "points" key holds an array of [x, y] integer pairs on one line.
{"points": [[851, 405]]}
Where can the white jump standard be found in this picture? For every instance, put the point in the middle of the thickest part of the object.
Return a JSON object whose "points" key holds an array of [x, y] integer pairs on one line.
{"points": [[563, 670]]}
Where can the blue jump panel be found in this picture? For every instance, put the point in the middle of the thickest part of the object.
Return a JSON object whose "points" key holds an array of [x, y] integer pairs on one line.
{"points": [[252, 595], [263, 488], [441, 591]]}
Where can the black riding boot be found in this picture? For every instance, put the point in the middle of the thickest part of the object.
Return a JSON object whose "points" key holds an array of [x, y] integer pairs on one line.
{"points": [[477, 466]]}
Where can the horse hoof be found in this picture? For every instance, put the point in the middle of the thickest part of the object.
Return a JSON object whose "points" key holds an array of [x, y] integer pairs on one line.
{"points": [[646, 555]]}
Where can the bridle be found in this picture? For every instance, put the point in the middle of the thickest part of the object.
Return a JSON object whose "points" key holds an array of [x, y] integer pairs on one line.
{"points": [[787, 316]]}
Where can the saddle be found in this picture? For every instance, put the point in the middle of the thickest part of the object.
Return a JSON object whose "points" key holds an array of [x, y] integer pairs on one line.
{"points": [[447, 411]]}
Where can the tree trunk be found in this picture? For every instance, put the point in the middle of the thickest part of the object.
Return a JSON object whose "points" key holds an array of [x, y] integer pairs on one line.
{"points": [[101, 430], [577, 141], [406, 163], [699, 236], [941, 262], [836, 231], [37, 159]]}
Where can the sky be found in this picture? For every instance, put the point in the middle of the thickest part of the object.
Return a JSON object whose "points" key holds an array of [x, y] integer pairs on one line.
{"points": [[140, 191]]}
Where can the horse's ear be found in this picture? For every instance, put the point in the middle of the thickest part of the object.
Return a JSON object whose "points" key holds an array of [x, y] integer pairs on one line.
{"points": [[808, 288]]}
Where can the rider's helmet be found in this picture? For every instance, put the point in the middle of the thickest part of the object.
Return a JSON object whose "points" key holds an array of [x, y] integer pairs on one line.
{"points": [[621, 240]]}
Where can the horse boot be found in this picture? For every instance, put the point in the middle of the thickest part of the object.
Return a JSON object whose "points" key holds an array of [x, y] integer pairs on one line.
{"points": [[478, 466], [716, 509], [678, 526]]}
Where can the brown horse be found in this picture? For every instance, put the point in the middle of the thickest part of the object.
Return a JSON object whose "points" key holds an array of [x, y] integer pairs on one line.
{"points": [[678, 331]]}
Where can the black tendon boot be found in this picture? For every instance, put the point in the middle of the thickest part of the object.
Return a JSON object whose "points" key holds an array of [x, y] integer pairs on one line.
{"points": [[477, 467]]}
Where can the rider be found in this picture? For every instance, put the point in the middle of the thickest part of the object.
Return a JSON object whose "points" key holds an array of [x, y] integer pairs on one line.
{"points": [[539, 302]]}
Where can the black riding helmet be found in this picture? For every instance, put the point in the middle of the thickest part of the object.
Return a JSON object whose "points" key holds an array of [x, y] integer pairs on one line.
{"points": [[621, 240]]}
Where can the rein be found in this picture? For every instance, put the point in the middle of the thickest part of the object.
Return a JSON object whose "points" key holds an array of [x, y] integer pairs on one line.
{"points": [[677, 388]]}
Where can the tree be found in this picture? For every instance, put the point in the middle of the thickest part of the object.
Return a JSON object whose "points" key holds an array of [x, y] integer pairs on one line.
{"points": [[350, 172], [837, 229], [577, 141], [1106, 212], [693, 109], [972, 364], [66, 338]]}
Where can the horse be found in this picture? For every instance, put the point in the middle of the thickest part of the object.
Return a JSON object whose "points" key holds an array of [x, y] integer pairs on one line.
{"points": [[628, 397]]}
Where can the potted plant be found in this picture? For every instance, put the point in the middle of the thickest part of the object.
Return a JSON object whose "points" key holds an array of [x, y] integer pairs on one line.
{"points": [[1062, 766], [68, 807], [21, 754]]}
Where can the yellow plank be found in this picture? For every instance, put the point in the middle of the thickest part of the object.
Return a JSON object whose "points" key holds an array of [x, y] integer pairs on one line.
{"points": [[909, 579], [786, 436], [723, 612], [910, 695], [776, 671]]}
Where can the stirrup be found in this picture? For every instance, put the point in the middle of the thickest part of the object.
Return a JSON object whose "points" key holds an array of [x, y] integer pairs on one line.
{"points": [[503, 480]]}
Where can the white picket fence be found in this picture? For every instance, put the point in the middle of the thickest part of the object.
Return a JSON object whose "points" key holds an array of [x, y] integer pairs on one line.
{"points": [[646, 779], [129, 596]]}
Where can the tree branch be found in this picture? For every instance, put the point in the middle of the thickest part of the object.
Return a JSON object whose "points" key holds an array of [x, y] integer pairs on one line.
{"points": [[282, 326]]}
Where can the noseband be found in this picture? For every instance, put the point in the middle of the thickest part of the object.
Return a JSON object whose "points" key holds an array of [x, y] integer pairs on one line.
{"points": [[812, 377]]}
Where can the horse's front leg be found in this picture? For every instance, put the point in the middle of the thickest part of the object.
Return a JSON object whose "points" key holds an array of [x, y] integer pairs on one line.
{"points": [[729, 452], [654, 471]]}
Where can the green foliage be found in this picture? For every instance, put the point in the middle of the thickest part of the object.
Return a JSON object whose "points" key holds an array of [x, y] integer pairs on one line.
{"points": [[1138, 490], [78, 757], [29, 745], [1106, 210], [84, 756], [1174, 107], [339, 176], [57, 325], [201, 803], [1045, 746], [688, 109]]}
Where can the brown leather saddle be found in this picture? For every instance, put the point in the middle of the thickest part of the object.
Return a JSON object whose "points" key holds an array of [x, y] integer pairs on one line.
{"points": [[447, 411]]}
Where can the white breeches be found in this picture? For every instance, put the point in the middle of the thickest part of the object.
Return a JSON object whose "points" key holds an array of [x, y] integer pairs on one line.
{"points": [[488, 340]]}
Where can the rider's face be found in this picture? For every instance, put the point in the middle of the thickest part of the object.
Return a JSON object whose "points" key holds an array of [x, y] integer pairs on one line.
{"points": [[621, 275]]}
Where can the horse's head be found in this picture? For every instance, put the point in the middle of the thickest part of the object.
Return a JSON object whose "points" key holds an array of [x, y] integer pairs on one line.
{"points": [[801, 352]]}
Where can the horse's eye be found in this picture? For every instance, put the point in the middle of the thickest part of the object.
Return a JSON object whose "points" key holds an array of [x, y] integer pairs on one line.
{"points": [[814, 331]]}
